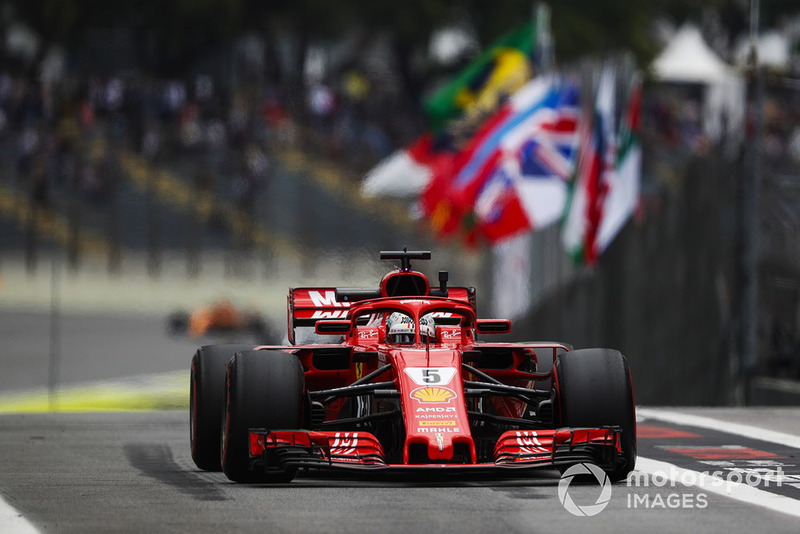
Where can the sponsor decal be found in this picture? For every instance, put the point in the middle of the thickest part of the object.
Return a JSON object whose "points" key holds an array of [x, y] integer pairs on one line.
{"points": [[441, 429], [344, 443], [433, 415], [449, 335], [433, 395], [436, 409], [326, 300], [426, 376], [368, 334], [330, 314], [437, 423], [529, 443]]}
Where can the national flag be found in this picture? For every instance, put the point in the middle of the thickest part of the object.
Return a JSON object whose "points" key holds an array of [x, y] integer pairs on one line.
{"points": [[406, 172], [596, 162], [455, 112], [622, 195], [453, 191], [529, 190], [481, 86], [499, 213]]}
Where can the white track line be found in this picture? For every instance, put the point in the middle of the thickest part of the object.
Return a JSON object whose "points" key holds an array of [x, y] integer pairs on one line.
{"points": [[733, 490], [781, 438], [13, 522]]}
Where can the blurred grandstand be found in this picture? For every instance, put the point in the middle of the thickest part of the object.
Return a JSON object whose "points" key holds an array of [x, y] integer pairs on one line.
{"points": [[245, 162]]}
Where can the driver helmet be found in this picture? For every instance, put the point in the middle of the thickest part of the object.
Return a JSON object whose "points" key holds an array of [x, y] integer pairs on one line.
{"points": [[427, 328], [400, 328]]}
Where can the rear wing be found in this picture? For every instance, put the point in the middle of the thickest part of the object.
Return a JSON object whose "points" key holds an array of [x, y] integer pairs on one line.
{"points": [[307, 305]]}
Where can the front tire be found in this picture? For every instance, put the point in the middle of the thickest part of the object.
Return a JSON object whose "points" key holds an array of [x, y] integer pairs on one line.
{"points": [[263, 389], [594, 389], [206, 402]]}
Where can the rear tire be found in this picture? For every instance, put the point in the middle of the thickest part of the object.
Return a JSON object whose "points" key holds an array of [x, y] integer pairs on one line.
{"points": [[206, 402], [263, 389], [594, 389]]}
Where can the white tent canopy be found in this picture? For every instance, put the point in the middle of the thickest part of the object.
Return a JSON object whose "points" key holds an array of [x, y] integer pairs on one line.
{"points": [[688, 59], [773, 51]]}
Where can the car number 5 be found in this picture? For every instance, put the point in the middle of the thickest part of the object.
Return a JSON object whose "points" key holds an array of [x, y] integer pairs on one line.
{"points": [[431, 376]]}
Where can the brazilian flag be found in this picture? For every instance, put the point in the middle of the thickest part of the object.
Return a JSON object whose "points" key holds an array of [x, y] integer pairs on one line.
{"points": [[482, 85]]}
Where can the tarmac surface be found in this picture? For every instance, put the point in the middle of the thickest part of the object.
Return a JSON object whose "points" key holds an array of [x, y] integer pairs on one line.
{"points": [[128, 472], [94, 426]]}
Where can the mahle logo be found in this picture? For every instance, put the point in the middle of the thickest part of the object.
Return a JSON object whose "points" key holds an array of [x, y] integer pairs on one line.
{"points": [[583, 470]]}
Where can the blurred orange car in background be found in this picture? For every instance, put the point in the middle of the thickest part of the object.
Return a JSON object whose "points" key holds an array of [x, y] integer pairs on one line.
{"points": [[220, 318]]}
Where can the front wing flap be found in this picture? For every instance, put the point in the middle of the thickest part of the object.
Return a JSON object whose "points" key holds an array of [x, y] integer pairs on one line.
{"points": [[361, 450]]}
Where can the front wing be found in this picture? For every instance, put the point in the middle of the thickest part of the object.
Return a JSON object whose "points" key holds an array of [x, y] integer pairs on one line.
{"points": [[517, 449]]}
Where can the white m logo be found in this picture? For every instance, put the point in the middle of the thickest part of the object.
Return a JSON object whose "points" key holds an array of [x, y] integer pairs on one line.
{"points": [[327, 300]]}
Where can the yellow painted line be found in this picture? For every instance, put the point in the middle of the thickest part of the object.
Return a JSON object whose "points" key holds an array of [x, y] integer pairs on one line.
{"points": [[166, 391]]}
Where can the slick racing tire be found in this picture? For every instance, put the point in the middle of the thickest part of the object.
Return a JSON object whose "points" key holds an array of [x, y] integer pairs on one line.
{"points": [[263, 389], [206, 402], [594, 389]]}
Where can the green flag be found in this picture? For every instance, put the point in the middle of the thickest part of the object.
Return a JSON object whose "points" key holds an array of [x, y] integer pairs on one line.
{"points": [[482, 85]]}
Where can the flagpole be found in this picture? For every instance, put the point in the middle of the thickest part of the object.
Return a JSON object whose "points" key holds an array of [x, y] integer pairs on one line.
{"points": [[747, 357], [544, 41]]}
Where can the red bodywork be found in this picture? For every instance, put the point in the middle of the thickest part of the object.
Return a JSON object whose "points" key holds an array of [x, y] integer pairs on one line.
{"points": [[450, 403]]}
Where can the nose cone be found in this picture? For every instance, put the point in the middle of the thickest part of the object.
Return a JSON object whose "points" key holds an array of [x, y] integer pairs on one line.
{"points": [[437, 426]]}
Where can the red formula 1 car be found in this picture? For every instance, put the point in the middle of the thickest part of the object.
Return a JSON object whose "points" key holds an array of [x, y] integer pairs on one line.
{"points": [[404, 386]]}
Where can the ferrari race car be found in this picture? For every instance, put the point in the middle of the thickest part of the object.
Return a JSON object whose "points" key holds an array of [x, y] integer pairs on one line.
{"points": [[403, 384]]}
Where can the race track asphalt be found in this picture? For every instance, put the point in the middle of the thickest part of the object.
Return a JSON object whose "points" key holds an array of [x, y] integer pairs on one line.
{"points": [[131, 471]]}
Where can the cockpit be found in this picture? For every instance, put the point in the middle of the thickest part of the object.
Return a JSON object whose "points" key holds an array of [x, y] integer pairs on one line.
{"points": [[401, 329], [396, 326]]}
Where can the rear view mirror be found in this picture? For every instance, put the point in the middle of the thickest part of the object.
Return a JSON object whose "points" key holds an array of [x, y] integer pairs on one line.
{"points": [[493, 326]]}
